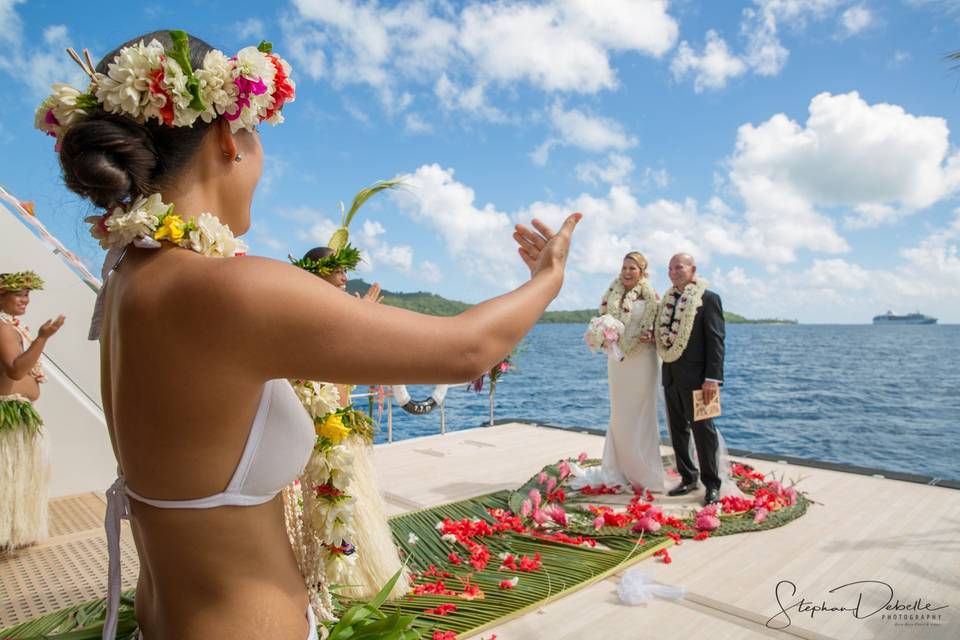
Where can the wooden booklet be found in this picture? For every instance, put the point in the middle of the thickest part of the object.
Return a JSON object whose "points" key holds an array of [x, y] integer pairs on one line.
{"points": [[703, 411]]}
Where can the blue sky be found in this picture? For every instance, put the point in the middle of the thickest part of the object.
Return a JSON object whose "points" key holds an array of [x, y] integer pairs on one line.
{"points": [[803, 150]]}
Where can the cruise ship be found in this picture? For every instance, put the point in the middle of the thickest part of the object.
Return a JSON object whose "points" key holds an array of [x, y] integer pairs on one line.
{"points": [[910, 318]]}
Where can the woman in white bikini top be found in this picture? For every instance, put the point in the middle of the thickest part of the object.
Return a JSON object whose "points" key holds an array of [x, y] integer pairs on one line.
{"points": [[194, 349]]}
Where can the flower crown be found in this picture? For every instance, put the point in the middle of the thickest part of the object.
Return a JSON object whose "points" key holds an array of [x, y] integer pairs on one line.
{"points": [[345, 255], [20, 281], [148, 81], [348, 257]]}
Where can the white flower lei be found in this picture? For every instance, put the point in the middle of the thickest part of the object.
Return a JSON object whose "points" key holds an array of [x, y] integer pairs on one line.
{"points": [[618, 303], [37, 371], [673, 335], [328, 519], [149, 82], [150, 220]]}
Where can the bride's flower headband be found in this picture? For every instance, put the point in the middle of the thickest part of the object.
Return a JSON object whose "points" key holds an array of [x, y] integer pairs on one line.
{"points": [[147, 81]]}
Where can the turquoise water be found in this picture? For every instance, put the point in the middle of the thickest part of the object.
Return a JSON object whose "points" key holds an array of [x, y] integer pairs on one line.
{"points": [[884, 397]]}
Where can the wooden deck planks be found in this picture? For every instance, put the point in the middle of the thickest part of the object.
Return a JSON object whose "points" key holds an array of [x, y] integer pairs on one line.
{"points": [[864, 528]]}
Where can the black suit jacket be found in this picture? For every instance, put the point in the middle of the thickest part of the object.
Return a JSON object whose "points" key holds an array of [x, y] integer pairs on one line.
{"points": [[703, 357]]}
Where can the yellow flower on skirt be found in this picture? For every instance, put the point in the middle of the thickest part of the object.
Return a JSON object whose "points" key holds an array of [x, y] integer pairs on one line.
{"points": [[172, 228], [333, 429]]}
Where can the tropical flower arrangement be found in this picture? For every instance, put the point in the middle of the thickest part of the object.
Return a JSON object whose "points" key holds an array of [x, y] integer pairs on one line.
{"points": [[148, 221], [149, 82], [619, 303], [494, 374], [605, 332], [325, 504], [678, 310], [547, 503]]}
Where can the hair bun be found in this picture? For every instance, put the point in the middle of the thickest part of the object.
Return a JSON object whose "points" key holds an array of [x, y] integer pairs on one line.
{"points": [[109, 159]]}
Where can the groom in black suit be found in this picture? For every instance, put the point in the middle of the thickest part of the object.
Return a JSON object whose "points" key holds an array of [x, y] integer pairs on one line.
{"points": [[700, 366]]}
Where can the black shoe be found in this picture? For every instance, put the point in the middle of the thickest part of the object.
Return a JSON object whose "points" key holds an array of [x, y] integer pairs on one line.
{"points": [[712, 496], [683, 489]]}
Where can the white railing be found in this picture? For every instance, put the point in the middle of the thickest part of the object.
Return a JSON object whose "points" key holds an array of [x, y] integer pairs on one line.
{"points": [[387, 397]]}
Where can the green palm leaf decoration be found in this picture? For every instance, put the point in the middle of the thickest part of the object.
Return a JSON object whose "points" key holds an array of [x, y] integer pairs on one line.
{"points": [[341, 236]]}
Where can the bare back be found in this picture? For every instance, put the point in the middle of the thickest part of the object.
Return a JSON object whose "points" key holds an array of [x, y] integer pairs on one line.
{"points": [[178, 421]]}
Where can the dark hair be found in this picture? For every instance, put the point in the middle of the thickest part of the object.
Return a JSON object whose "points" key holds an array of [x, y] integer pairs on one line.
{"points": [[318, 253], [112, 159]]}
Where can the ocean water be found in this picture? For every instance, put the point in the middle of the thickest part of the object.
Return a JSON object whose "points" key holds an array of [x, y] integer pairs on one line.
{"points": [[875, 396]]}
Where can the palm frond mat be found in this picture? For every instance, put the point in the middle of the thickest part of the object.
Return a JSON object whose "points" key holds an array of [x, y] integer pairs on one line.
{"points": [[482, 561]]}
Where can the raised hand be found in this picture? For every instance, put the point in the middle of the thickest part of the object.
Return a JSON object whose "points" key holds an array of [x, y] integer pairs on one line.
{"points": [[373, 293], [540, 248], [50, 327]]}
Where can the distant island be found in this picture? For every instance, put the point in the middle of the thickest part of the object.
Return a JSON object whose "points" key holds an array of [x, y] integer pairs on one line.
{"points": [[434, 305]]}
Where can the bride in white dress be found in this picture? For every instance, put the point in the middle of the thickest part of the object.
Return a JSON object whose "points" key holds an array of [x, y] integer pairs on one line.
{"points": [[631, 450]]}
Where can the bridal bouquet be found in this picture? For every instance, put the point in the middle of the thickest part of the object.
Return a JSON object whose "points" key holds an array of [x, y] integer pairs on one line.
{"points": [[604, 333]]}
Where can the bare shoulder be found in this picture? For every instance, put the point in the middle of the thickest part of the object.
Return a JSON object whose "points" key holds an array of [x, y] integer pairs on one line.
{"points": [[9, 334], [246, 280]]}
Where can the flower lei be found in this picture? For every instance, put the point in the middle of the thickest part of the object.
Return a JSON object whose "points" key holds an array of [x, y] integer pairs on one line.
{"points": [[37, 371], [673, 328], [20, 281], [618, 303], [148, 82], [149, 220], [327, 506]]}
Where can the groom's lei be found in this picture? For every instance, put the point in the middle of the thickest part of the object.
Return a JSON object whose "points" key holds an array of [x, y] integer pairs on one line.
{"points": [[674, 327], [618, 303]]}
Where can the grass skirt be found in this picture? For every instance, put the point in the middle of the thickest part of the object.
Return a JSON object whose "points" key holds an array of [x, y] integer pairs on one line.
{"points": [[377, 558], [24, 474]]}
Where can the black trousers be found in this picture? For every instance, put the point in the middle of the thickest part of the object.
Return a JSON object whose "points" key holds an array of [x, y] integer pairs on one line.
{"points": [[679, 416]]}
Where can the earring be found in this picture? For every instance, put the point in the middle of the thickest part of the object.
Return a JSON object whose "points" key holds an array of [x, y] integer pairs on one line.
{"points": [[238, 158]]}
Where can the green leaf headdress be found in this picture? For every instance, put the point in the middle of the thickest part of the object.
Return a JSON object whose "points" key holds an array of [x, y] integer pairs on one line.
{"points": [[345, 255], [19, 281]]}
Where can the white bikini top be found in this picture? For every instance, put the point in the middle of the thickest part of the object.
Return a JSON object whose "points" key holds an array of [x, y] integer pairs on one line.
{"points": [[277, 451]]}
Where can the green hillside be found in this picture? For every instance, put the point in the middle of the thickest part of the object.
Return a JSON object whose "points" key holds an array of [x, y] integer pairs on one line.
{"points": [[432, 304]]}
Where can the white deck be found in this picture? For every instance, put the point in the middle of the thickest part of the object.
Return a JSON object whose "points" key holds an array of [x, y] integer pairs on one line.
{"points": [[863, 529]]}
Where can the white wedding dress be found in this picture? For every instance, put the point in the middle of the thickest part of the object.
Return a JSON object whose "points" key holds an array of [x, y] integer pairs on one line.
{"points": [[631, 449]]}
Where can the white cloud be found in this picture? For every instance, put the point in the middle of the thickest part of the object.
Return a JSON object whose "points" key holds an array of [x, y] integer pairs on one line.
{"points": [[557, 45], [364, 43], [416, 124], [838, 290], [877, 160], [764, 53], [41, 65], [249, 29], [260, 232], [378, 254], [477, 238], [712, 69], [320, 230], [562, 45], [472, 101], [430, 272], [617, 223], [658, 178], [616, 169], [856, 19], [577, 129], [898, 59], [11, 27]]}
